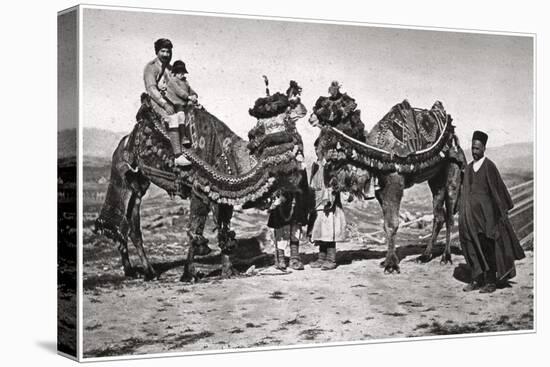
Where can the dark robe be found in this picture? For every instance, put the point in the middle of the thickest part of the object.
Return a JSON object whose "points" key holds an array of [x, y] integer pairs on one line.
{"points": [[284, 214], [484, 207]]}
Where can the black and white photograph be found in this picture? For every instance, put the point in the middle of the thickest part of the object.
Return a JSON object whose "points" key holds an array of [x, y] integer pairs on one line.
{"points": [[252, 183]]}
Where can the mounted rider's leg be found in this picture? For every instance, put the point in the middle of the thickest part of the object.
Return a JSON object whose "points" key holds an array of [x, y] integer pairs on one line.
{"points": [[175, 134]]}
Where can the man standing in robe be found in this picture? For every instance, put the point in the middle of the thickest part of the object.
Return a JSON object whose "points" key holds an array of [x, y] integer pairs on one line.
{"points": [[487, 238]]}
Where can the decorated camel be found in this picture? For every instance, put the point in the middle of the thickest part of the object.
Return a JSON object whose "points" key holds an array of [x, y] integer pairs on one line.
{"points": [[225, 171], [407, 146]]}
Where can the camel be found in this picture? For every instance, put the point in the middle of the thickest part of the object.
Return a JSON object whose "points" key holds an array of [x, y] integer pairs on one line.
{"points": [[358, 158], [223, 174]]}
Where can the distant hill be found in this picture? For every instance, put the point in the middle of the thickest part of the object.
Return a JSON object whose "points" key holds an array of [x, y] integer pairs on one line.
{"points": [[516, 158], [511, 159], [66, 143], [100, 143], [97, 142]]}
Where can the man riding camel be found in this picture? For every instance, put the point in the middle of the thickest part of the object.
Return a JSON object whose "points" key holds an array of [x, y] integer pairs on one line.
{"points": [[156, 76]]}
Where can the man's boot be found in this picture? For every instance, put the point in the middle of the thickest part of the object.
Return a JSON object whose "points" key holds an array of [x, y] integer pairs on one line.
{"points": [[330, 263], [321, 258], [295, 262], [185, 142], [280, 262], [475, 284], [174, 135]]}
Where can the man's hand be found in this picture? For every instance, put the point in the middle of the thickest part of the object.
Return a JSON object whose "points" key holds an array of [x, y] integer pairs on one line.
{"points": [[169, 109]]}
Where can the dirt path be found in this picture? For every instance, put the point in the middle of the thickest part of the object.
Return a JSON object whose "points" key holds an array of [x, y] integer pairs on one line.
{"points": [[354, 302]]}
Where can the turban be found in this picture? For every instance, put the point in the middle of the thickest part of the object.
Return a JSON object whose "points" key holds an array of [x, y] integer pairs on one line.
{"points": [[480, 136], [162, 43]]}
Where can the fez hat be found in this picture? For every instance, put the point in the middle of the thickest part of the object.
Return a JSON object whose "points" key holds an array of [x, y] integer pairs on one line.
{"points": [[162, 43], [480, 136], [179, 67]]}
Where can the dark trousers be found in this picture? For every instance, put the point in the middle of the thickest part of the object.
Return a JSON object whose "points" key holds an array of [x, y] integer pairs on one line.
{"points": [[324, 245]]}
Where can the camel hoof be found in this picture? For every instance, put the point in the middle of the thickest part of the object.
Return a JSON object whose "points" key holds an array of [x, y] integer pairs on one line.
{"points": [[227, 267], [446, 259], [424, 258], [189, 274], [227, 273], [130, 272], [390, 269], [150, 275], [187, 278]]}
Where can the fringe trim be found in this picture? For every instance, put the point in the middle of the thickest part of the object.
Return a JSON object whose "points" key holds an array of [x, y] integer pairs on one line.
{"points": [[375, 158]]}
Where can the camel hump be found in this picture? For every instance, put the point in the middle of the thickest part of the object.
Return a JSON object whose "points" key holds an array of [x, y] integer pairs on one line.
{"points": [[406, 105]]}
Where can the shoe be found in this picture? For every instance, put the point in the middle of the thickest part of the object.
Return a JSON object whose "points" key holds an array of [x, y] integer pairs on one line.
{"points": [[322, 257], [295, 262], [473, 286], [488, 288], [330, 262], [280, 262], [182, 161]]}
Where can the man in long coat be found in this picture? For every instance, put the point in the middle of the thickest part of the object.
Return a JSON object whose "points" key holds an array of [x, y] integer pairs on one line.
{"points": [[487, 238]]}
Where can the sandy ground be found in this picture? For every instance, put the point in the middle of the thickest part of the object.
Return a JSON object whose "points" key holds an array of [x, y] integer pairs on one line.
{"points": [[356, 301]]}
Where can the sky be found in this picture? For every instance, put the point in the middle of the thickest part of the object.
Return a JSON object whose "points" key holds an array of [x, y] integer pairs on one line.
{"points": [[485, 81]]}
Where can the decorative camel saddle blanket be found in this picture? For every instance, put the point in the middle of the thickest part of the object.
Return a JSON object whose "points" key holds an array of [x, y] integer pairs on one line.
{"points": [[405, 130], [222, 168], [406, 139]]}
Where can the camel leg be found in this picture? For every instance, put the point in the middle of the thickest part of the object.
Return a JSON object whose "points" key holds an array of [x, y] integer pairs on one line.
{"points": [[452, 188], [134, 217], [129, 271], [226, 237], [389, 198], [198, 212], [439, 217], [449, 221]]}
